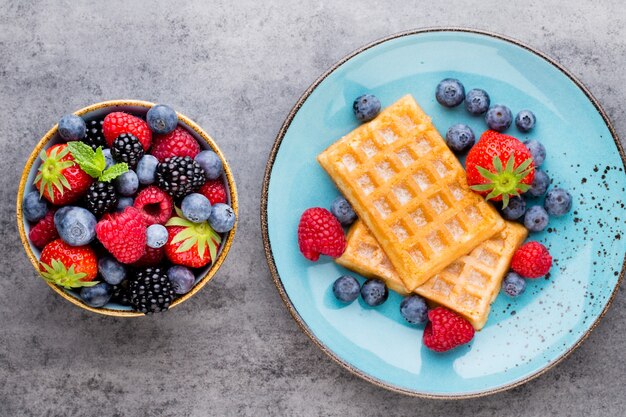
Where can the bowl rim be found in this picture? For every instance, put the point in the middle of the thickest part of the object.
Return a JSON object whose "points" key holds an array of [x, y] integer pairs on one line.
{"points": [[188, 123]]}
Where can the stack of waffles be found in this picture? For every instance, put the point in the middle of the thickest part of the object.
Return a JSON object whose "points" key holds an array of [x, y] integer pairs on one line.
{"points": [[421, 228]]}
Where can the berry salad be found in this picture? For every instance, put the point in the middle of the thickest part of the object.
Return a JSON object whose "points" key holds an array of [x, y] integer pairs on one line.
{"points": [[501, 168], [127, 210]]}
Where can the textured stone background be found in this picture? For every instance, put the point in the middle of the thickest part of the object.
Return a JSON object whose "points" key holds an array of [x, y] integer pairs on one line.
{"points": [[237, 68]]}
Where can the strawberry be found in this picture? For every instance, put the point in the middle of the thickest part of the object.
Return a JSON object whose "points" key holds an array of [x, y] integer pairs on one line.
{"points": [[446, 330], [531, 260], [59, 178], [152, 257], [155, 205], [319, 233], [44, 231], [499, 167], [214, 190], [68, 266], [190, 244], [117, 123], [123, 234], [179, 142]]}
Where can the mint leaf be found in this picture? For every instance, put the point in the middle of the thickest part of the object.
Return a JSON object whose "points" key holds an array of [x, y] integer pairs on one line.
{"points": [[84, 157], [99, 161], [113, 172]]}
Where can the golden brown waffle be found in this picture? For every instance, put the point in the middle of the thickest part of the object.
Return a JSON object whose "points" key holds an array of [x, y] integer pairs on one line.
{"points": [[411, 191], [468, 286], [364, 255]]}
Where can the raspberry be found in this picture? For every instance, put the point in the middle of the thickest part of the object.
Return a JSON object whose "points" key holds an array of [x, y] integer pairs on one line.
{"points": [[152, 257], [44, 231], [446, 330], [177, 143], [319, 233], [531, 260], [117, 123], [123, 234], [155, 205], [214, 190]]}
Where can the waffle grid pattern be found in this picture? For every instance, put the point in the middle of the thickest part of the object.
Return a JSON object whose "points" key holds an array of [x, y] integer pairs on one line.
{"points": [[411, 191], [468, 285]]}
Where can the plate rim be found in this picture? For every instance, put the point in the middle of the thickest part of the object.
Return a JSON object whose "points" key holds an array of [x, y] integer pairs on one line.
{"points": [[268, 249]]}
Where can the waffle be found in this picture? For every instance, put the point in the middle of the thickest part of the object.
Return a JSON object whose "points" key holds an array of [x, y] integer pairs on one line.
{"points": [[411, 191], [468, 285]]}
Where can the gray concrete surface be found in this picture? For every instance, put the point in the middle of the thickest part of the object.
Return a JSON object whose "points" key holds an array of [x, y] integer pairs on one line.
{"points": [[237, 68]]}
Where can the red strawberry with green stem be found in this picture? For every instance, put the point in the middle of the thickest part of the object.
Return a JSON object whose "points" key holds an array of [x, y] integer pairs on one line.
{"points": [[499, 167], [68, 266], [60, 179], [190, 244]]}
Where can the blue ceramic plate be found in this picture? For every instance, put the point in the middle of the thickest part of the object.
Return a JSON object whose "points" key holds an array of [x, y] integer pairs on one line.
{"points": [[523, 336]]}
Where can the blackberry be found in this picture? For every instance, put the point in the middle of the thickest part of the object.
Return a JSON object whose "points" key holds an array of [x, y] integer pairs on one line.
{"points": [[100, 198], [127, 148], [151, 291], [121, 295], [179, 176], [94, 136]]}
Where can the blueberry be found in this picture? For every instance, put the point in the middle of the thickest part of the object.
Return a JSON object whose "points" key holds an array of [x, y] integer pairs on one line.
{"points": [[222, 218], [498, 118], [540, 184], [111, 270], [374, 292], [108, 158], [72, 127], [366, 107], [98, 295], [477, 101], [460, 138], [515, 209], [537, 151], [513, 285], [536, 219], [156, 236], [124, 202], [346, 289], [414, 309], [127, 183], [181, 278], [162, 119], [34, 207], [211, 163], [196, 208], [76, 225], [343, 211], [450, 92], [558, 202], [146, 167], [525, 120]]}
